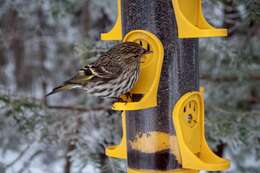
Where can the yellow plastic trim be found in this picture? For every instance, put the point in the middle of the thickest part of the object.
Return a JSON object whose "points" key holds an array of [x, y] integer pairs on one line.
{"points": [[169, 171], [119, 151], [116, 31], [150, 71], [191, 22], [188, 119]]}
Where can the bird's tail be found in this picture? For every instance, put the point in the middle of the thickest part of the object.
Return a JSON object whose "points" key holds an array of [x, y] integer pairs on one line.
{"points": [[64, 87], [77, 81]]}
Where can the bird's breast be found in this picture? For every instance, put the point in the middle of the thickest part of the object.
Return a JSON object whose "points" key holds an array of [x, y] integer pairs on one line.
{"points": [[115, 87]]}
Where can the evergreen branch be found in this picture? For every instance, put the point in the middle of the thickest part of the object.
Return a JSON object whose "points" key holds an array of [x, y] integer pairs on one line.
{"points": [[232, 111], [74, 108], [29, 161], [227, 78], [30, 102], [18, 157]]}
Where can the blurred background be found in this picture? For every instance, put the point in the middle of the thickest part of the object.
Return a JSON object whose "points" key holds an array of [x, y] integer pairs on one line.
{"points": [[43, 42]]}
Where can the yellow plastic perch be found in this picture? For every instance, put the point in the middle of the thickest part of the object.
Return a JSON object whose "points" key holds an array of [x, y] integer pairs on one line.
{"points": [[168, 171], [119, 151], [191, 22], [147, 85], [116, 32], [188, 119]]}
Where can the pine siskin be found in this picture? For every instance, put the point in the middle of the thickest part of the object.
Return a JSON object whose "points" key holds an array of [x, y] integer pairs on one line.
{"points": [[112, 75]]}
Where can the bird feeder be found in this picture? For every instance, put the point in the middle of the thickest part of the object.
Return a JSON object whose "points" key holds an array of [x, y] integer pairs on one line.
{"points": [[164, 135]]}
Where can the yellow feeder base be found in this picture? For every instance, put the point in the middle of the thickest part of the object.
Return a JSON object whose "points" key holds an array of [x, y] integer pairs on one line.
{"points": [[154, 171], [191, 22], [116, 32], [119, 151], [188, 119], [150, 72]]}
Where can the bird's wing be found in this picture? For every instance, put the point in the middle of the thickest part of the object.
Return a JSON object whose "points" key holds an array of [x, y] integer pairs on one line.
{"points": [[81, 77], [104, 67]]}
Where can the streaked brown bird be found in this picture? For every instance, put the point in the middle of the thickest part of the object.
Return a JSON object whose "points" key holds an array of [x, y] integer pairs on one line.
{"points": [[112, 75]]}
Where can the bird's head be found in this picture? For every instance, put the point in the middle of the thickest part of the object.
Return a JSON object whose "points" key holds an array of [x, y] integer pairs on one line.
{"points": [[131, 52]]}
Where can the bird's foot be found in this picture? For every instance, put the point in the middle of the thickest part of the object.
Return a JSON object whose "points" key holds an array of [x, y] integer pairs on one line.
{"points": [[119, 99], [128, 96]]}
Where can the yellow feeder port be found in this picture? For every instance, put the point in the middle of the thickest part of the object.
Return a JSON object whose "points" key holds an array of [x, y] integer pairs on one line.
{"points": [[188, 119], [169, 171], [119, 151], [191, 22], [144, 93], [116, 32]]}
